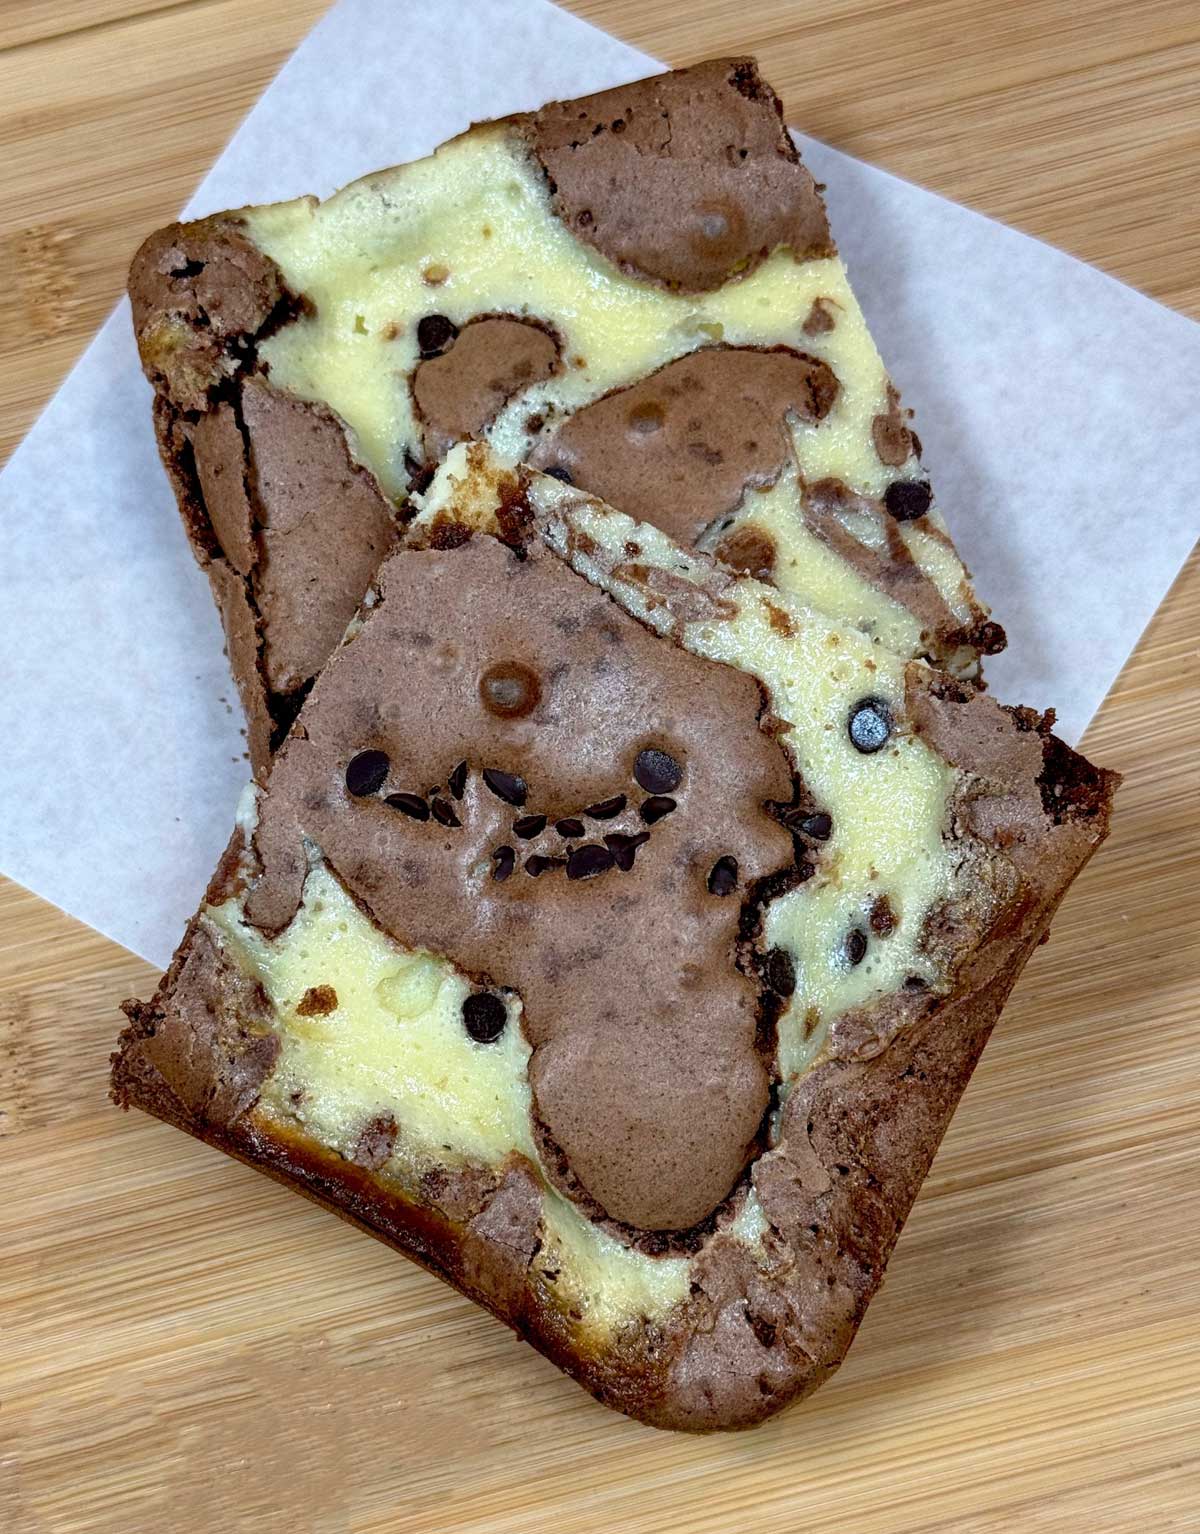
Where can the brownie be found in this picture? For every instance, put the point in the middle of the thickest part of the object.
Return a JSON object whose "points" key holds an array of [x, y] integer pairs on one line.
{"points": [[636, 291], [615, 934]]}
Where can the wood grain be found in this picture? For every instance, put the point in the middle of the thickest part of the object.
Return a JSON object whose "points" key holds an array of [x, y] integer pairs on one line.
{"points": [[186, 1347]]}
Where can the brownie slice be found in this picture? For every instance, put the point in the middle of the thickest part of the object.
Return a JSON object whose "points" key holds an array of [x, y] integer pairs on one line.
{"points": [[636, 291], [614, 935]]}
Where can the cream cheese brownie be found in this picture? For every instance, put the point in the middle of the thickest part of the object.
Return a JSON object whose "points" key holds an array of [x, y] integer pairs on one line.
{"points": [[615, 934], [636, 291]]}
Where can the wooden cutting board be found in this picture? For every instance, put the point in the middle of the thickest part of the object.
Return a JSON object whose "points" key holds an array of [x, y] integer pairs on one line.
{"points": [[188, 1348]]}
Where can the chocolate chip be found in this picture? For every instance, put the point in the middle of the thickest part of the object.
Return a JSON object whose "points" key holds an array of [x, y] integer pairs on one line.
{"points": [[569, 827], [409, 804], [457, 781], [657, 772], [538, 865], [908, 499], [607, 808], [529, 826], [870, 725], [916, 983], [443, 813], [510, 690], [484, 1016], [654, 809], [365, 773], [557, 471], [434, 334], [505, 860], [856, 946], [818, 826], [723, 876], [506, 785], [587, 860], [779, 972], [624, 848]]}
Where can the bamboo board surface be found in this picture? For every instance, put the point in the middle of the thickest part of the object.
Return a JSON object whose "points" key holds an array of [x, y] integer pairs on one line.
{"points": [[186, 1347]]}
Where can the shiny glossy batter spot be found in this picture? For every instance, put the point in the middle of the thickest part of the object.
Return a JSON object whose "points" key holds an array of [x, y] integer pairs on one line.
{"points": [[510, 690]]}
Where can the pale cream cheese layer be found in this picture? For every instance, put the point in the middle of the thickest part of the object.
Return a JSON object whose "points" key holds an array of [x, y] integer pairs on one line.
{"points": [[395, 1044]]}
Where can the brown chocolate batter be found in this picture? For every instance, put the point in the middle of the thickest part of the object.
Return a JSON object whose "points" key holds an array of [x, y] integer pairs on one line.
{"points": [[645, 1071]]}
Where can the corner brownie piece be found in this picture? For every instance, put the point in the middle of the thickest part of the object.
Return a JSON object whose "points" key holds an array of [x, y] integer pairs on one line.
{"points": [[636, 291], [614, 935]]}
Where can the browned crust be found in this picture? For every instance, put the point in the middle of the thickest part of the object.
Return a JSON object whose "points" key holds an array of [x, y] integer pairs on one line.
{"points": [[201, 293]]}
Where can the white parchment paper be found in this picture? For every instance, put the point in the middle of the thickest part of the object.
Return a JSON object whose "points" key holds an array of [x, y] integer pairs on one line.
{"points": [[1057, 409]]}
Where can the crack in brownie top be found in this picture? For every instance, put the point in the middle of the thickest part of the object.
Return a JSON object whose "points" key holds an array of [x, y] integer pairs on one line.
{"points": [[614, 795]]}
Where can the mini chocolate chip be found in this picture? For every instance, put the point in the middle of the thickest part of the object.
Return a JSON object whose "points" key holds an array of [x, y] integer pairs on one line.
{"points": [[443, 813], [409, 804], [505, 860], [457, 781], [587, 860], [654, 809], [607, 808], [434, 334], [856, 946], [779, 972], [916, 983], [789, 815], [529, 826], [657, 772], [506, 785], [538, 865], [908, 499], [569, 827], [723, 876], [819, 826], [365, 773], [557, 471], [870, 725], [624, 848], [484, 1016]]}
